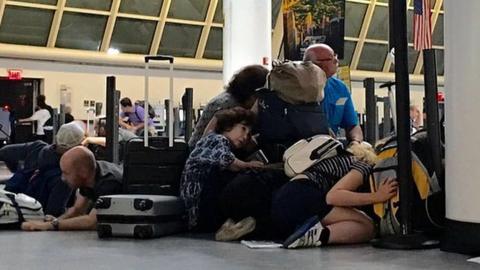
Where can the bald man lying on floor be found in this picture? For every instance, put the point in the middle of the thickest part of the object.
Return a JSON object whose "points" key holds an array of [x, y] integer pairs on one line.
{"points": [[92, 179]]}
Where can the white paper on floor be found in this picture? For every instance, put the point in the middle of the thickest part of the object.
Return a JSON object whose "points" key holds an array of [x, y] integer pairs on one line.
{"points": [[261, 244], [474, 260]]}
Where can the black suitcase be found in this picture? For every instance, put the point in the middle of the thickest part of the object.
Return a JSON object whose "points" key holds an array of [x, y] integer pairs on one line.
{"points": [[155, 169], [139, 216], [154, 165]]}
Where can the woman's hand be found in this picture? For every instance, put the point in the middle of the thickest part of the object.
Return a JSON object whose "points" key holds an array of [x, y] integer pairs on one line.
{"points": [[387, 189], [48, 218], [254, 165]]}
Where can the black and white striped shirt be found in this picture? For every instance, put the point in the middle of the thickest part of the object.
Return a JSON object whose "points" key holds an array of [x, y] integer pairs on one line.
{"points": [[327, 172]]}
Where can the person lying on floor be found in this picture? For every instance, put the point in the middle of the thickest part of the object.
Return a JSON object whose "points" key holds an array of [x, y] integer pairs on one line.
{"points": [[211, 165], [321, 206], [40, 175], [123, 136], [92, 179]]}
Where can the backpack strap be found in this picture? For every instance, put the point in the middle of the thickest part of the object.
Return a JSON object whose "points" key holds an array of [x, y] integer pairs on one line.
{"points": [[16, 206]]}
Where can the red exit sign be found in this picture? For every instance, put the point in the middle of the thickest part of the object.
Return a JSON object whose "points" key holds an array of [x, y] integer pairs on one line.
{"points": [[14, 74]]}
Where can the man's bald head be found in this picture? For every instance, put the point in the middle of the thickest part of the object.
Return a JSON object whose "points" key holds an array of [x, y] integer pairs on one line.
{"points": [[323, 56], [78, 166]]}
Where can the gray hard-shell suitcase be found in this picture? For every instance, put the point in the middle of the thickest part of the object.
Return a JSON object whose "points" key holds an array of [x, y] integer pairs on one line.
{"points": [[139, 216]]}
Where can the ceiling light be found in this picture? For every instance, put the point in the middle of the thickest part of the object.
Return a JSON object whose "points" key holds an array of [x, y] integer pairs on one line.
{"points": [[113, 51]]}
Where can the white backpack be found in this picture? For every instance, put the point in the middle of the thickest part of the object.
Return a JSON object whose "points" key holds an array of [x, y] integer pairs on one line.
{"points": [[17, 208], [307, 152]]}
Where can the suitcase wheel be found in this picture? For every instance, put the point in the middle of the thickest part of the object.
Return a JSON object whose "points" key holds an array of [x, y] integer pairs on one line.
{"points": [[143, 232], [104, 231], [142, 204], [103, 203]]}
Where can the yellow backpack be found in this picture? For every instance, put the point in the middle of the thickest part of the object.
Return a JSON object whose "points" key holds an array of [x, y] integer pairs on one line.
{"points": [[427, 203]]}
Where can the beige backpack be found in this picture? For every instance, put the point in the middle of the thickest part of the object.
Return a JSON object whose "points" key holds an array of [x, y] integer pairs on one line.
{"points": [[297, 82]]}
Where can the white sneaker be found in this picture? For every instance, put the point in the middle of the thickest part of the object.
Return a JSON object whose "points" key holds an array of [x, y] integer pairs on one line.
{"points": [[308, 235]]}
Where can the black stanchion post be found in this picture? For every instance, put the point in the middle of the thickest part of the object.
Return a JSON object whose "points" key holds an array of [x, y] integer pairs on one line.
{"points": [[402, 97], [431, 104], [113, 96], [407, 239], [55, 125], [167, 115], [188, 109], [370, 110]]}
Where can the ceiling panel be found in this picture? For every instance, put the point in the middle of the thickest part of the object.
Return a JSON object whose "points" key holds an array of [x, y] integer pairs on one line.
{"points": [[218, 18], [180, 40], [432, 3], [141, 7], [412, 60], [410, 26], [354, 14], [90, 4], [45, 2], [214, 48], [25, 26], [348, 53], [437, 37], [439, 60], [379, 25], [195, 10], [81, 31], [373, 57], [124, 31]]}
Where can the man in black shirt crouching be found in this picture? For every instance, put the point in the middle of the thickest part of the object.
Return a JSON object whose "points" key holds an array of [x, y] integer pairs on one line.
{"points": [[92, 179]]}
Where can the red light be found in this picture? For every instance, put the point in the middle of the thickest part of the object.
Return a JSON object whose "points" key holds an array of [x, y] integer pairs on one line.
{"points": [[14, 74], [440, 97]]}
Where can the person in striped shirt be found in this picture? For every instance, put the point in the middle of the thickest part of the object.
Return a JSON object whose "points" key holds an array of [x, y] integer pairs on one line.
{"points": [[321, 206]]}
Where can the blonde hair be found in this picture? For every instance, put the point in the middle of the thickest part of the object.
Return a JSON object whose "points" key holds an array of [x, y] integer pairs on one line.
{"points": [[364, 152]]}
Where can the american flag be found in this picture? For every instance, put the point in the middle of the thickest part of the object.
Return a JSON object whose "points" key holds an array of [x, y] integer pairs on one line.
{"points": [[422, 25]]}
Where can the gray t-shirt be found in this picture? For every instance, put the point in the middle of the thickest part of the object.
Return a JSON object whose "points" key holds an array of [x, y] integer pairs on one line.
{"points": [[221, 102], [108, 181], [125, 135]]}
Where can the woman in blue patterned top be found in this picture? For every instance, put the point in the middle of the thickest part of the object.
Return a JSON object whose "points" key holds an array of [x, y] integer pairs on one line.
{"points": [[210, 166]]}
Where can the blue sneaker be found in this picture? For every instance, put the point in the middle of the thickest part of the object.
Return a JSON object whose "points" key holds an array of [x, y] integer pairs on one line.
{"points": [[307, 235]]}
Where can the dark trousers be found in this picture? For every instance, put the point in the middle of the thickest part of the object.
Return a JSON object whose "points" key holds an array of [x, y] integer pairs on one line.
{"points": [[210, 217], [250, 195], [294, 203]]}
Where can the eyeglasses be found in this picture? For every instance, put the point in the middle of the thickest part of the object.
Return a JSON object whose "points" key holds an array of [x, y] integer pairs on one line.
{"points": [[335, 57]]}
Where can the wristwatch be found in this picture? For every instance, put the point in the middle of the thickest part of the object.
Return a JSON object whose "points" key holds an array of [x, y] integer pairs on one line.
{"points": [[55, 224]]}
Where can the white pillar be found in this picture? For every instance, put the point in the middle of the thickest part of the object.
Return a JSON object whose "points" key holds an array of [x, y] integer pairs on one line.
{"points": [[247, 34], [462, 64]]}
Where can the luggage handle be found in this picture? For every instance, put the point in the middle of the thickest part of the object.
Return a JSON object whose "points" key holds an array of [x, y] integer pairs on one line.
{"points": [[168, 58], [159, 58]]}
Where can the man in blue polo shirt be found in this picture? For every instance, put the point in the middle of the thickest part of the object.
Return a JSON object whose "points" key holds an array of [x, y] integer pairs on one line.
{"points": [[337, 101]]}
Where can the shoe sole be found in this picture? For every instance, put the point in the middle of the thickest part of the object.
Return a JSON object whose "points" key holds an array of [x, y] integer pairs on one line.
{"points": [[236, 233], [300, 231]]}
